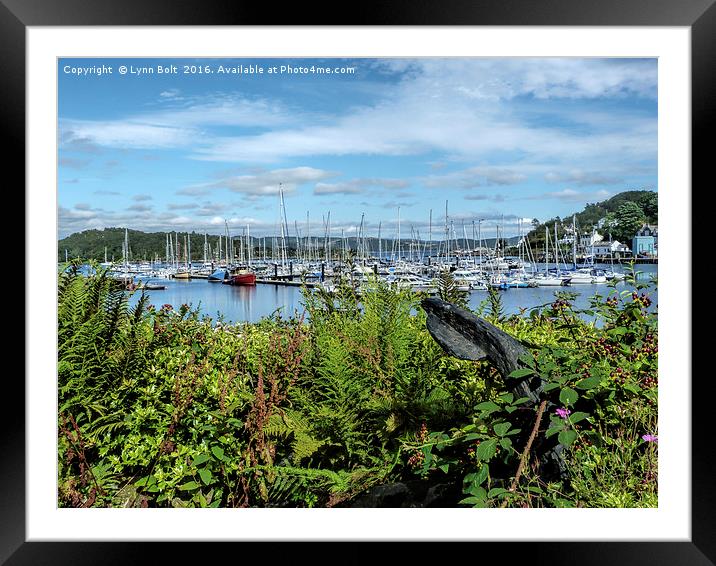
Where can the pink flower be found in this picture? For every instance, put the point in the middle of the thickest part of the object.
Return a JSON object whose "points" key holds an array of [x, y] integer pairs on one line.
{"points": [[563, 413], [650, 438]]}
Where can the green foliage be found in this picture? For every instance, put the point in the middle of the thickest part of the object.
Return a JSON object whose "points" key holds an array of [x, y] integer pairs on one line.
{"points": [[600, 388], [629, 218], [645, 201], [449, 291], [160, 408]]}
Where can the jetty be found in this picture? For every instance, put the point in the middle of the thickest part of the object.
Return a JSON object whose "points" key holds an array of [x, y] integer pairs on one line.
{"points": [[286, 282]]}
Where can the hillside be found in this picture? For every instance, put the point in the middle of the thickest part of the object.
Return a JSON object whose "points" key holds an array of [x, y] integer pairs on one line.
{"points": [[593, 213], [90, 244]]}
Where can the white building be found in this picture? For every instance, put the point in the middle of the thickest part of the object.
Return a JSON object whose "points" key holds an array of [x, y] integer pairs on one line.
{"points": [[586, 240], [607, 248]]}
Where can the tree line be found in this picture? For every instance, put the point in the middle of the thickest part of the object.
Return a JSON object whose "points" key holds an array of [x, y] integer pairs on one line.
{"points": [[621, 217]]}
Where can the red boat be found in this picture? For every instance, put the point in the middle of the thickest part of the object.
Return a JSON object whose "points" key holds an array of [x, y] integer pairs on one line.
{"points": [[245, 278]]}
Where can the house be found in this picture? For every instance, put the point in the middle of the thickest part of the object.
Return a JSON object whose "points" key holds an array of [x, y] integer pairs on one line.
{"points": [[645, 241], [587, 240], [614, 248]]}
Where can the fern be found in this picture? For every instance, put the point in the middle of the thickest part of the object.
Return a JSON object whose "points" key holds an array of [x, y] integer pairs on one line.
{"points": [[448, 290], [496, 311]]}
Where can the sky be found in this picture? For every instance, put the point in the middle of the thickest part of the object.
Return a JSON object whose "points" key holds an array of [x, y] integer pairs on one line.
{"points": [[208, 143]]}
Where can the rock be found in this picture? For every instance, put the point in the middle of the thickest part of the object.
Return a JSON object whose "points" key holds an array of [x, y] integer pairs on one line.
{"points": [[464, 335], [416, 493]]}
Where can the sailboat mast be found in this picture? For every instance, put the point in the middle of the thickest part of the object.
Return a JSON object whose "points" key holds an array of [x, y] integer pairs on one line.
{"points": [[249, 246], [430, 231], [447, 234], [308, 238], [556, 248], [546, 248], [479, 241], [329, 236], [398, 233], [226, 227], [574, 241], [126, 250], [380, 243]]}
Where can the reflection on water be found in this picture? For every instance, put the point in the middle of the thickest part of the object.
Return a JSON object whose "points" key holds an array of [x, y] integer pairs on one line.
{"points": [[235, 303], [251, 303]]}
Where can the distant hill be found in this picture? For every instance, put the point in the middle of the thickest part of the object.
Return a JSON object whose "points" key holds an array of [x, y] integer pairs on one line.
{"points": [[91, 244], [593, 213]]}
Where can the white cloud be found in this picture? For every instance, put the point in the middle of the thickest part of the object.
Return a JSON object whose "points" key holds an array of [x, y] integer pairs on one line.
{"points": [[494, 198], [263, 183], [581, 178], [411, 122], [358, 186], [130, 134], [170, 93], [177, 126], [506, 78], [459, 107], [182, 206], [139, 207], [475, 177], [572, 195], [73, 163]]}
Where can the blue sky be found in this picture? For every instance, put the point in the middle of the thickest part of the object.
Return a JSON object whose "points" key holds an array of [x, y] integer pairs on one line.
{"points": [[499, 139]]}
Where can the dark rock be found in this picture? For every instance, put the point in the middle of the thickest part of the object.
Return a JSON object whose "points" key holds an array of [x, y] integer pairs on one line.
{"points": [[389, 495], [416, 493], [468, 337], [443, 495], [464, 335]]}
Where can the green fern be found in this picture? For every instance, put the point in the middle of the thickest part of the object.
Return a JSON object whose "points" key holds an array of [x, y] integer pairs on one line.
{"points": [[448, 290]]}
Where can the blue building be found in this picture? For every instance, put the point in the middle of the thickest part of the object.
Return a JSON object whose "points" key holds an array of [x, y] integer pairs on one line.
{"points": [[645, 241]]}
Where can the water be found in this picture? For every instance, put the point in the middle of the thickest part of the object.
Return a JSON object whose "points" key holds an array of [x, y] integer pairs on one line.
{"points": [[515, 300], [250, 304], [236, 303]]}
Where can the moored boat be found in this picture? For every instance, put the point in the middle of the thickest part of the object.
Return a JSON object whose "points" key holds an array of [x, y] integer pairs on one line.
{"points": [[241, 278], [218, 275]]}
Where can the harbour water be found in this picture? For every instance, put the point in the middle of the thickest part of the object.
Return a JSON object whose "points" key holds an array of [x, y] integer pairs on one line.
{"points": [[251, 303]]}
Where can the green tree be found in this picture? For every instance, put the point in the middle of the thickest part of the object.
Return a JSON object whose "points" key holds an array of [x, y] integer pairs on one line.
{"points": [[650, 205], [629, 218], [609, 225]]}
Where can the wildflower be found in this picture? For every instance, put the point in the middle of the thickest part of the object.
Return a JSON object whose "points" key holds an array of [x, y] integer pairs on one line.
{"points": [[563, 413], [650, 438]]}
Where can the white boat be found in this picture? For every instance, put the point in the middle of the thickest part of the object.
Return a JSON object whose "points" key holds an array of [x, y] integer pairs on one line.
{"points": [[468, 279], [549, 281], [412, 282], [610, 275], [581, 277]]}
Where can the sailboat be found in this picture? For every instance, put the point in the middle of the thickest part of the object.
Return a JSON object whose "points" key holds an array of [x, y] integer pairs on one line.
{"points": [[546, 279], [580, 275], [182, 273], [243, 276]]}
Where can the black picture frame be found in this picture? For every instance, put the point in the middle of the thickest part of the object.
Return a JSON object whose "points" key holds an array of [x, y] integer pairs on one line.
{"points": [[17, 15]]}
